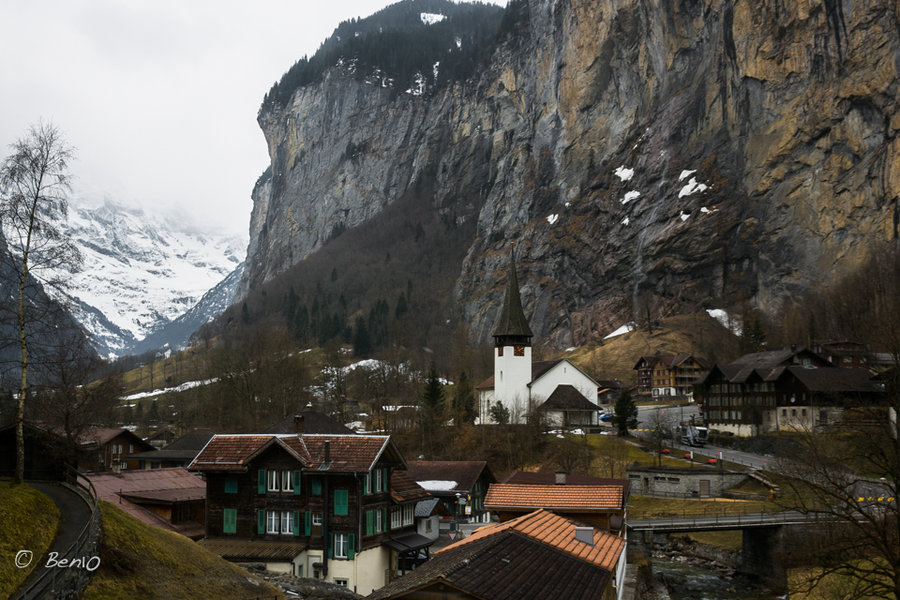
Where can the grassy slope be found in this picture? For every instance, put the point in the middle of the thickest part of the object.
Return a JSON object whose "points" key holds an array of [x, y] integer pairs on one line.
{"points": [[140, 561], [18, 533], [698, 334]]}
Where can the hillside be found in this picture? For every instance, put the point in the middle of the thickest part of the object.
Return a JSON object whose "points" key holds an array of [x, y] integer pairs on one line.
{"points": [[644, 155], [18, 534], [698, 334], [140, 561]]}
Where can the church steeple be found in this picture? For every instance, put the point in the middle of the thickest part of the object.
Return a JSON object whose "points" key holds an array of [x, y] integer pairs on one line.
{"points": [[513, 329]]}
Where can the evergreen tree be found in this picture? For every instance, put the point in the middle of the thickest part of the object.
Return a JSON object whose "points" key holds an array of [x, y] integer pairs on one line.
{"points": [[499, 413], [362, 342], [463, 401], [626, 413], [431, 410]]}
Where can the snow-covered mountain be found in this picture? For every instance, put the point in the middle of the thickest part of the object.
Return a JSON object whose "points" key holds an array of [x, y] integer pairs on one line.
{"points": [[142, 272]]}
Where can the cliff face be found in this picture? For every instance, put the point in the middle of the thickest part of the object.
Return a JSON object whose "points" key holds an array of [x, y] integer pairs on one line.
{"points": [[645, 155]]}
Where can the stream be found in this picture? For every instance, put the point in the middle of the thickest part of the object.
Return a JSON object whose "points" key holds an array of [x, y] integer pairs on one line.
{"points": [[685, 579]]}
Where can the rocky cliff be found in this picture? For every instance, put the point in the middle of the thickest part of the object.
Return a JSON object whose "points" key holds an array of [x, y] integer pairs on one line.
{"points": [[645, 155]]}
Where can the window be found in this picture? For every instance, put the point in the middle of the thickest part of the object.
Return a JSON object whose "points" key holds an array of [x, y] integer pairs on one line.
{"points": [[231, 485], [342, 582], [341, 545], [273, 481], [396, 517], [341, 504], [378, 481], [286, 484], [287, 522], [317, 519], [229, 520], [409, 513], [272, 521], [367, 484]]}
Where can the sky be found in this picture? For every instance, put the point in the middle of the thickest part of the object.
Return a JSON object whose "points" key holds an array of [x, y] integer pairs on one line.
{"points": [[159, 97]]}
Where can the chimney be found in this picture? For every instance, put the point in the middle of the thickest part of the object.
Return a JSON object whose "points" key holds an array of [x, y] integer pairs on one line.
{"points": [[298, 424], [560, 478], [585, 535]]}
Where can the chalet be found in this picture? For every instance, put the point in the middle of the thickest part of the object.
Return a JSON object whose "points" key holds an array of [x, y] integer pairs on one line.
{"points": [[314, 505], [668, 375], [601, 504], [459, 484], [779, 390], [537, 555], [103, 449], [168, 498], [522, 386], [178, 453], [843, 353]]}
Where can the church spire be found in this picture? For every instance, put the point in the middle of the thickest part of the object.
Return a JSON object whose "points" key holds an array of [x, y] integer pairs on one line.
{"points": [[513, 327]]}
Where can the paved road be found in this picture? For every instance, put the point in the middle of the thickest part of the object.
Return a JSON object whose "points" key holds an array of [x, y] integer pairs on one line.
{"points": [[74, 514]]}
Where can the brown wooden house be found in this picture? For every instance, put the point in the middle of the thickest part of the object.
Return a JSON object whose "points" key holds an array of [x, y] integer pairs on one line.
{"points": [[105, 449], [314, 505]]}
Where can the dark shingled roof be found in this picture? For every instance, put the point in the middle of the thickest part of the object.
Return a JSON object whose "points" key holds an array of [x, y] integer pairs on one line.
{"points": [[567, 397], [512, 319], [184, 449], [503, 568], [464, 472], [313, 422]]}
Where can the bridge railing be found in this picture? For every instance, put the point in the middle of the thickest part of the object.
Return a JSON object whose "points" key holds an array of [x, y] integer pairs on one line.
{"points": [[732, 520]]}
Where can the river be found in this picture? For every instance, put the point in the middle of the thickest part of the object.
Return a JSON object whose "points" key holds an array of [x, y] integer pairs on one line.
{"points": [[687, 580]]}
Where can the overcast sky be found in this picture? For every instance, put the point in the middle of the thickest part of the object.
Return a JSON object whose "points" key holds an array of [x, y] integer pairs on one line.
{"points": [[159, 97]]}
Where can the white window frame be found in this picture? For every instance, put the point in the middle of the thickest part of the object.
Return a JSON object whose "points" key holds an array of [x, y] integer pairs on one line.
{"points": [[287, 522], [273, 478], [409, 514], [396, 517], [272, 522], [341, 545], [379, 521], [316, 519], [342, 582], [378, 481], [286, 484]]}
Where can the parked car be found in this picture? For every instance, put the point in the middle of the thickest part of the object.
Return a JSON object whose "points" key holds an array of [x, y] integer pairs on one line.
{"points": [[606, 417]]}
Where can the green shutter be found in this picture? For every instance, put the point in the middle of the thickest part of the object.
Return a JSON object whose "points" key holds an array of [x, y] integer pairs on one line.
{"points": [[295, 479], [261, 522], [316, 486], [331, 546], [341, 507], [229, 520], [295, 521], [365, 484], [384, 519], [368, 522], [351, 546], [308, 523], [231, 485], [261, 481]]}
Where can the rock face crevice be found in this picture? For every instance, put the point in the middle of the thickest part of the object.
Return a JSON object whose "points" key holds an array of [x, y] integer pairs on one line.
{"points": [[646, 155]]}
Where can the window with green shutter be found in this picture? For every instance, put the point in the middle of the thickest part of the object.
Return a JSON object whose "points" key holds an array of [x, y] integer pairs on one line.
{"points": [[229, 520], [341, 502], [261, 522], [295, 480], [231, 485], [351, 546]]}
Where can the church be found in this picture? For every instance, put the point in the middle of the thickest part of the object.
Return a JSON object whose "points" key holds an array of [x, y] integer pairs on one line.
{"points": [[557, 391]]}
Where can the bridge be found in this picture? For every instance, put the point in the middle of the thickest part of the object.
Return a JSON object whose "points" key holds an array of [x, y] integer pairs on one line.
{"points": [[760, 540]]}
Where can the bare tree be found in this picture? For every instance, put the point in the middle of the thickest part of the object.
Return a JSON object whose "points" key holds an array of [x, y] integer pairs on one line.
{"points": [[34, 186]]}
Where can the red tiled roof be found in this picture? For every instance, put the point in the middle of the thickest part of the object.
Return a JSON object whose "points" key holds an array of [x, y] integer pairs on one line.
{"points": [[174, 483], [582, 498], [557, 532], [548, 478], [348, 453], [404, 489]]}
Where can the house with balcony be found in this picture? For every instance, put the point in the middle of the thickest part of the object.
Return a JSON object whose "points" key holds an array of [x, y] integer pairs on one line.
{"points": [[784, 390], [668, 376], [313, 505]]}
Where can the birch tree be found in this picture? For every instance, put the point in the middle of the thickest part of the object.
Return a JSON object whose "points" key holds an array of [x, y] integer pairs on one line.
{"points": [[34, 188]]}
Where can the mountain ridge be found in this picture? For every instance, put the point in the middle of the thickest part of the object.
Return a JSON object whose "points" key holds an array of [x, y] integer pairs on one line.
{"points": [[784, 117]]}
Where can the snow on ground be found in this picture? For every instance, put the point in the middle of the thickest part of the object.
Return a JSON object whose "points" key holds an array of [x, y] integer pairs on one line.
{"points": [[684, 216], [552, 218], [625, 221], [624, 173], [629, 196], [438, 485], [431, 18], [730, 323], [691, 187], [685, 174], [630, 326], [178, 388]]}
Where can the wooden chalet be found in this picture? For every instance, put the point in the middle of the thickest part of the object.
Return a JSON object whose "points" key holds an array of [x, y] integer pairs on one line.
{"points": [[461, 485], [313, 505]]}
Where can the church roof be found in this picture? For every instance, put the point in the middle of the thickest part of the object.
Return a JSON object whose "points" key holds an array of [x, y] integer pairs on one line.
{"points": [[512, 319], [567, 397]]}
